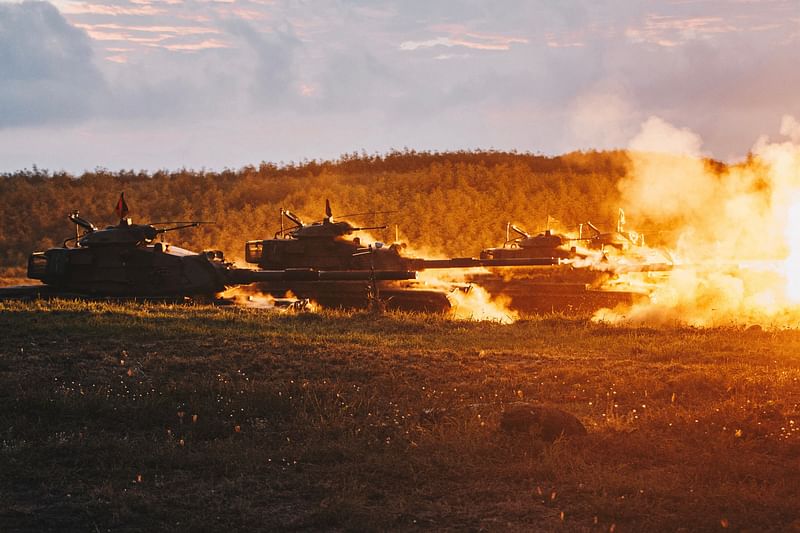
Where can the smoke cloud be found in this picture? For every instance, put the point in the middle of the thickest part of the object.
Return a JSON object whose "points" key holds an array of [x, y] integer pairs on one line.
{"points": [[48, 73], [737, 229]]}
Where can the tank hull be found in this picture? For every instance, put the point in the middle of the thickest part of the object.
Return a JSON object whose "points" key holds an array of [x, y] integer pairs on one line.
{"points": [[557, 289], [402, 296], [154, 271], [569, 298]]}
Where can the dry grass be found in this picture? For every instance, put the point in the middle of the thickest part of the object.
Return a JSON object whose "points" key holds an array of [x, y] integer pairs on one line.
{"points": [[15, 276], [147, 417]]}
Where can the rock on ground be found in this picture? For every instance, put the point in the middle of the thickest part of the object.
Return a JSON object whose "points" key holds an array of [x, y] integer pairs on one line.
{"points": [[547, 423]]}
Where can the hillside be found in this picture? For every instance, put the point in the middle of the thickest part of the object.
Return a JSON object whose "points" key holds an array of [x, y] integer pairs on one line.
{"points": [[450, 203]]}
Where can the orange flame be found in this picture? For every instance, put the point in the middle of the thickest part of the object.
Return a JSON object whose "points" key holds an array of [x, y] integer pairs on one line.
{"points": [[247, 296], [469, 302]]}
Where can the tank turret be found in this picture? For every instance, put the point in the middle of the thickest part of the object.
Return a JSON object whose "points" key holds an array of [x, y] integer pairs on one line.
{"points": [[543, 245]]}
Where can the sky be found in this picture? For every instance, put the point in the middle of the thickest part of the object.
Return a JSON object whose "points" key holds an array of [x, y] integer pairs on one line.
{"points": [[213, 84]]}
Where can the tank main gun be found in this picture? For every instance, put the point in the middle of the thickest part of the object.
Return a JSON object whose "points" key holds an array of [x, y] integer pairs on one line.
{"points": [[244, 276], [472, 262]]}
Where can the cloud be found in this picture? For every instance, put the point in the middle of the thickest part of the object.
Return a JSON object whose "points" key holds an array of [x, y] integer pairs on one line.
{"points": [[670, 31], [659, 136], [249, 14], [85, 8], [355, 82], [556, 43], [473, 41], [602, 117], [791, 128], [271, 76], [121, 36], [207, 44], [172, 30], [175, 38], [541, 76], [47, 65]]}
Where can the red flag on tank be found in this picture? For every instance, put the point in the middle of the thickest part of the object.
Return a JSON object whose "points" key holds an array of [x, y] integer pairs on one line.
{"points": [[122, 208]]}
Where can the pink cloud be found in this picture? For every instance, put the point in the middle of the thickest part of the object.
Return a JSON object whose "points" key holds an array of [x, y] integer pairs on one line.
{"points": [[119, 58], [173, 30], [307, 90], [249, 14], [84, 8], [472, 40], [669, 31], [192, 47], [106, 35], [193, 18], [150, 2], [561, 41]]}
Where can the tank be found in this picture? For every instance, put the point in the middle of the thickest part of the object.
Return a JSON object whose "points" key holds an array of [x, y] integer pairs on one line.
{"points": [[596, 269], [552, 244], [331, 244], [545, 244], [127, 261]]}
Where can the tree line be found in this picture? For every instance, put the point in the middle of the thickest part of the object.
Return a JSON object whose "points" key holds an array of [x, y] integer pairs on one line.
{"points": [[453, 203]]}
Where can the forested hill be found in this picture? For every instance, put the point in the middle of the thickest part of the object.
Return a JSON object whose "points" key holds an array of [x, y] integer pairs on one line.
{"points": [[454, 203]]}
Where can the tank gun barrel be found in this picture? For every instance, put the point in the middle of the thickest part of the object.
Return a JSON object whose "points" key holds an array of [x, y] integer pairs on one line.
{"points": [[181, 225], [648, 267], [368, 227], [471, 262], [241, 276]]}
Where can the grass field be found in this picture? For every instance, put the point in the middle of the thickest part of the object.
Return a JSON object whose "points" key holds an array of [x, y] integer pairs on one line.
{"points": [[148, 417]]}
